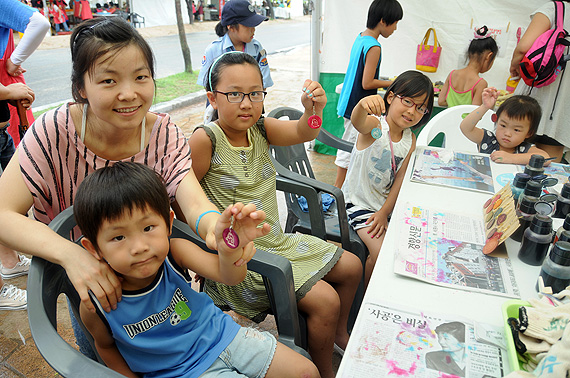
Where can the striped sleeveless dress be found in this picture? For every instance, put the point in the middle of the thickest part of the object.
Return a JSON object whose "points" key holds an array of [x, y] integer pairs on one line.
{"points": [[246, 174]]}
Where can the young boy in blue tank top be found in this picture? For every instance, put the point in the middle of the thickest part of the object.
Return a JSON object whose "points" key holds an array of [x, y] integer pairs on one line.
{"points": [[361, 78], [163, 328]]}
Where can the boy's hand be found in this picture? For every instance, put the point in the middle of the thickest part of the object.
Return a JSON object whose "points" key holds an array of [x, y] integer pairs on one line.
{"points": [[490, 95], [378, 223], [246, 220], [501, 157], [313, 95], [373, 105]]}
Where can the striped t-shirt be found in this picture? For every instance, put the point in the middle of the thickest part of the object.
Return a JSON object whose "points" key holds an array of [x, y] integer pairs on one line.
{"points": [[54, 160]]}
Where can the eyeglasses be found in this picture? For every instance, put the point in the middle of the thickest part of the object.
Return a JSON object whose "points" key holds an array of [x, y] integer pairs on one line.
{"points": [[236, 97], [422, 109]]}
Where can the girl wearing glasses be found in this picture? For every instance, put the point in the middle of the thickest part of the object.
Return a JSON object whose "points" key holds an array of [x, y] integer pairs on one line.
{"points": [[381, 155], [231, 159]]}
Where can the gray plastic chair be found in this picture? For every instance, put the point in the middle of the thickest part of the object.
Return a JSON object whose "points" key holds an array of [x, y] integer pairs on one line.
{"points": [[292, 162], [46, 281]]}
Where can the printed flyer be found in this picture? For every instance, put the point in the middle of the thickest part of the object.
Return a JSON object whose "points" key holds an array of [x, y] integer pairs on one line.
{"points": [[446, 249], [456, 169], [396, 342]]}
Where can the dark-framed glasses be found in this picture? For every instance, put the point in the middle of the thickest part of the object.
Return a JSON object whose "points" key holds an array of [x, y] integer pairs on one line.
{"points": [[235, 97], [422, 109]]}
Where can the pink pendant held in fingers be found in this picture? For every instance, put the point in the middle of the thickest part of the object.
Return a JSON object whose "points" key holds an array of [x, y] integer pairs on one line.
{"points": [[230, 238], [314, 121]]}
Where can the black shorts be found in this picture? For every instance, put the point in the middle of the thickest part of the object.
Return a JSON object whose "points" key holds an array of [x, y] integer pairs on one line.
{"points": [[546, 140]]}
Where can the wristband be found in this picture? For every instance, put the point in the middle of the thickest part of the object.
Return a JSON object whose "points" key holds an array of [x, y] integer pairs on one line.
{"points": [[200, 218]]}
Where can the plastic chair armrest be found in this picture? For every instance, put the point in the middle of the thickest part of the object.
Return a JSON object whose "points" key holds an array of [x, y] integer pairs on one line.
{"points": [[334, 141], [313, 198], [335, 192]]}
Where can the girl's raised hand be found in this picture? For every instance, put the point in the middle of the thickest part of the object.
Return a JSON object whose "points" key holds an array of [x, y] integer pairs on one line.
{"points": [[313, 95], [245, 224], [490, 95], [373, 105]]}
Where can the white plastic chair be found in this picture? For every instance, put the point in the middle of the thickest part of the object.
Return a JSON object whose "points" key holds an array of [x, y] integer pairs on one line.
{"points": [[447, 122]]}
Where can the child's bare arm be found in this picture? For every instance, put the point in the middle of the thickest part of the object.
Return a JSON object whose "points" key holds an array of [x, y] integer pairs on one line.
{"points": [[201, 152], [229, 266], [379, 220], [510, 158], [361, 119], [104, 342], [369, 80], [442, 97], [478, 92], [287, 133], [469, 124]]}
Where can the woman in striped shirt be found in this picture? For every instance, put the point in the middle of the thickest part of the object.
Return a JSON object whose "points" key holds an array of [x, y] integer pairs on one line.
{"points": [[113, 88]]}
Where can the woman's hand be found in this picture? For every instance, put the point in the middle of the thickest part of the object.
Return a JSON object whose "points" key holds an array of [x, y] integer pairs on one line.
{"points": [[21, 92], [373, 105], [86, 273], [515, 71], [378, 223], [313, 95], [13, 69]]}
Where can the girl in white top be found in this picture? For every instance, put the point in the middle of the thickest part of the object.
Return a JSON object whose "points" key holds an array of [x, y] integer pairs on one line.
{"points": [[381, 155]]}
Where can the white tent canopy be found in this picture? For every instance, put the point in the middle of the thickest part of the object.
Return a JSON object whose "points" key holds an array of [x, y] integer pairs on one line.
{"points": [[452, 19], [157, 13]]}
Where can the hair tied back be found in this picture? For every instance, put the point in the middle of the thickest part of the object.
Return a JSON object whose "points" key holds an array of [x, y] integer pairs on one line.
{"points": [[482, 32]]}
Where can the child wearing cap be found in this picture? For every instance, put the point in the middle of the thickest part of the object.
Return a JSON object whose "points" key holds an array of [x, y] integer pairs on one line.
{"points": [[236, 30]]}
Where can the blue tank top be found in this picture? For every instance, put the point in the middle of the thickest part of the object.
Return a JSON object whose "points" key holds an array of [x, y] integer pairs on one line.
{"points": [[168, 329], [352, 90]]}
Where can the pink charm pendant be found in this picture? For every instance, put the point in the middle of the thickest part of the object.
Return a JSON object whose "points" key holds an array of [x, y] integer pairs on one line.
{"points": [[315, 121], [230, 236]]}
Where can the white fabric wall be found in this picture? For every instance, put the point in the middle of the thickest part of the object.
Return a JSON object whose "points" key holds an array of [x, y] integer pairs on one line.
{"points": [[343, 20], [158, 13]]}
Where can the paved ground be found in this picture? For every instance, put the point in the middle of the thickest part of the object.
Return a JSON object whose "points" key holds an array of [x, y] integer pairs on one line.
{"points": [[18, 355]]}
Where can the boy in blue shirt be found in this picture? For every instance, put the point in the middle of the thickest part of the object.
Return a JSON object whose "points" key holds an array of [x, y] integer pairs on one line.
{"points": [[161, 327], [361, 78]]}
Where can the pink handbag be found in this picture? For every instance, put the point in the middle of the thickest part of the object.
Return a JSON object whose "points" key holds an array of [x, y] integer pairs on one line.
{"points": [[427, 57]]}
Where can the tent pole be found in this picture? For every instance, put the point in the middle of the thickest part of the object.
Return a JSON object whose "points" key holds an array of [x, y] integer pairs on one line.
{"points": [[316, 38]]}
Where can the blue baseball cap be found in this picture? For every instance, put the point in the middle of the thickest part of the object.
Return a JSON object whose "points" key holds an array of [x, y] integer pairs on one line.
{"points": [[241, 12]]}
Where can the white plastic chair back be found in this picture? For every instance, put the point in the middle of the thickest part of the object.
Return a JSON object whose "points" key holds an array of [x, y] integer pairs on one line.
{"points": [[447, 122]]}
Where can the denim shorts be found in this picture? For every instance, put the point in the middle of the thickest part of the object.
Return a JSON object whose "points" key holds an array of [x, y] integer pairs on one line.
{"points": [[248, 355]]}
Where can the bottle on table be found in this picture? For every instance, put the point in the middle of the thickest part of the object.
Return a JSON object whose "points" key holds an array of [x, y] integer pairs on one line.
{"points": [[565, 227], [555, 270], [535, 166], [519, 183], [525, 207], [563, 202], [536, 240]]}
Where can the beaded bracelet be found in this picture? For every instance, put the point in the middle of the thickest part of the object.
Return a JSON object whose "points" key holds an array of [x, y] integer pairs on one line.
{"points": [[200, 217]]}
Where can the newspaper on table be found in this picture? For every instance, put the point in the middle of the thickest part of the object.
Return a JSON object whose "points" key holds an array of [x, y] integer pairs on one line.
{"points": [[395, 342], [456, 169], [446, 249]]}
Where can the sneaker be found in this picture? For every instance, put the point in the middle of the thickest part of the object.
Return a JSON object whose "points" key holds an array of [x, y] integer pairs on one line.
{"points": [[12, 298], [19, 269]]}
